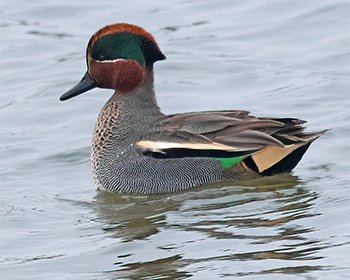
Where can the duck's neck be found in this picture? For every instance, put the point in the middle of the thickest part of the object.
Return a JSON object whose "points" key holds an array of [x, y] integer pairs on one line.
{"points": [[125, 117], [143, 95]]}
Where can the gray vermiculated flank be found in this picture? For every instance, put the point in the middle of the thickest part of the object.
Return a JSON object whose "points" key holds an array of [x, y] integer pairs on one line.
{"points": [[120, 166]]}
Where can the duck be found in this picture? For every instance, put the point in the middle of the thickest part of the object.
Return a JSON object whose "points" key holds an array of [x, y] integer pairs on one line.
{"points": [[138, 149]]}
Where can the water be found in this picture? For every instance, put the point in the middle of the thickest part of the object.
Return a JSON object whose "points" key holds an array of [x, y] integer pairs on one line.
{"points": [[274, 58]]}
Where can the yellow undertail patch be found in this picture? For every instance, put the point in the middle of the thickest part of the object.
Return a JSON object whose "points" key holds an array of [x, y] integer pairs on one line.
{"points": [[269, 156]]}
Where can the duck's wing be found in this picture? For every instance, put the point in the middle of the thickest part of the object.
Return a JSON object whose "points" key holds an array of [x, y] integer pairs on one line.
{"points": [[208, 133], [227, 134]]}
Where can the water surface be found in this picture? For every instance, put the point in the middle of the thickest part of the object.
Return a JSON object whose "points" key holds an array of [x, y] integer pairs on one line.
{"points": [[273, 58]]}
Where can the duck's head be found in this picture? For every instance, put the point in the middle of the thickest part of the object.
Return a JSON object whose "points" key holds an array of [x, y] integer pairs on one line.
{"points": [[118, 57]]}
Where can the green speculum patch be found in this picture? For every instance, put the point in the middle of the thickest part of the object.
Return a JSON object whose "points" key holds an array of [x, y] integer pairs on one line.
{"points": [[228, 162], [123, 45]]}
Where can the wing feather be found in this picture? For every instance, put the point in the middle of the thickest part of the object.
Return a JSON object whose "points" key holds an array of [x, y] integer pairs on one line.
{"points": [[224, 134]]}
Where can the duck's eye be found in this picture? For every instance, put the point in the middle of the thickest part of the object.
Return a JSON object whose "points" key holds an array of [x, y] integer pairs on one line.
{"points": [[101, 57]]}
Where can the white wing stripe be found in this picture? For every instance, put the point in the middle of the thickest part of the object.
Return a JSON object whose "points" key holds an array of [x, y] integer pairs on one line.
{"points": [[160, 146]]}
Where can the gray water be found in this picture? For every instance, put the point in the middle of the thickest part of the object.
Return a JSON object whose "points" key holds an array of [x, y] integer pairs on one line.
{"points": [[273, 58]]}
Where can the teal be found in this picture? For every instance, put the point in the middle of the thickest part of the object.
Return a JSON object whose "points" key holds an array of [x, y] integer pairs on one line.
{"points": [[136, 148]]}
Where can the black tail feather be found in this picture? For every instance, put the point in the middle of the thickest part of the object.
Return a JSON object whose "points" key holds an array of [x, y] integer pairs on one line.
{"points": [[283, 166], [288, 163]]}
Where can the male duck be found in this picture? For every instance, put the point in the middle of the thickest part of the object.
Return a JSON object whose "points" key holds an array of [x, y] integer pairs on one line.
{"points": [[138, 149]]}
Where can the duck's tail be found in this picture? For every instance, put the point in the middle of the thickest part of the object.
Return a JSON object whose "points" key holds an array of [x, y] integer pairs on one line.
{"points": [[276, 160]]}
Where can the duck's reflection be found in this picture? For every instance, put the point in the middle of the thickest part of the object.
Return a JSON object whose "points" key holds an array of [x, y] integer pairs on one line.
{"points": [[258, 220]]}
